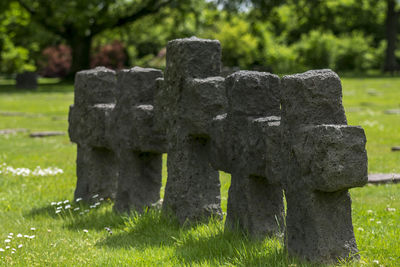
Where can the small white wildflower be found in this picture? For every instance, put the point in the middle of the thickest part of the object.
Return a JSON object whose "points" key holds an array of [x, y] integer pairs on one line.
{"points": [[58, 208], [378, 222], [13, 249], [370, 211], [86, 211], [27, 236], [76, 209], [7, 240], [59, 203], [391, 209], [12, 252], [20, 246], [66, 201], [33, 229], [32, 237], [53, 203], [81, 213], [97, 204], [2, 250], [58, 211], [92, 206], [101, 199], [95, 196], [84, 230], [372, 219], [360, 229], [7, 247], [375, 261], [78, 199], [11, 234], [9, 237], [19, 235], [67, 207]]}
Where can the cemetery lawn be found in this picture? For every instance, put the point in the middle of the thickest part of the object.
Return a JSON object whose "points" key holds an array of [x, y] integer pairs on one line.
{"points": [[70, 238]]}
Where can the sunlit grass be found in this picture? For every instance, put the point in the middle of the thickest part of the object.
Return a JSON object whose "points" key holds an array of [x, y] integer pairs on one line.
{"points": [[98, 237]]}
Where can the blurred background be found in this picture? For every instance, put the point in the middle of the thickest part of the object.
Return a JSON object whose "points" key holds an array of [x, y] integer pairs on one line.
{"points": [[56, 38]]}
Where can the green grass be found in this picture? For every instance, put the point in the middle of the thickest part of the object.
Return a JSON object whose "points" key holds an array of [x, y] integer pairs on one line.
{"points": [[153, 240]]}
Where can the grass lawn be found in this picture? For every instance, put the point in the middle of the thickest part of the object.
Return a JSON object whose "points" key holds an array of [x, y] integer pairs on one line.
{"points": [[79, 238]]}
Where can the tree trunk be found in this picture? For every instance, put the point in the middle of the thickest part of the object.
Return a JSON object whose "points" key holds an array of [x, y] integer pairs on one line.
{"points": [[80, 46], [392, 17]]}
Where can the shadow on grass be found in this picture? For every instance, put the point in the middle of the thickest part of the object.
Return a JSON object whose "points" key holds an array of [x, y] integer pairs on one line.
{"points": [[197, 244], [96, 220], [46, 211], [147, 230], [82, 218], [59, 87]]}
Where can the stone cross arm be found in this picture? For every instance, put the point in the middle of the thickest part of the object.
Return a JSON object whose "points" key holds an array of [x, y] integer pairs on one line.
{"points": [[331, 157]]}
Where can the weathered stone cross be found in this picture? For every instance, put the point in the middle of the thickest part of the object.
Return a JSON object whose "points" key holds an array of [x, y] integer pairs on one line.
{"points": [[246, 143], [322, 159], [96, 168], [192, 95], [136, 140]]}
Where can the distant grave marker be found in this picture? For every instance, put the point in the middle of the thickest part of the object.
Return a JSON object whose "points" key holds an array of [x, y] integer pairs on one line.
{"points": [[26, 80]]}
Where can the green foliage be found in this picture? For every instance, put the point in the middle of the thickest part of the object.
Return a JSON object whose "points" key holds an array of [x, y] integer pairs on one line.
{"points": [[347, 52], [354, 52], [281, 36], [316, 49], [278, 56], [13, 58], [239, 46]]}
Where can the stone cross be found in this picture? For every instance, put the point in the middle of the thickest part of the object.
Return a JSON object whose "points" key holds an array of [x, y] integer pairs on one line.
{"points": [[192, 95], [322, 159], [89, 116], [137, 141], [246, 143]]}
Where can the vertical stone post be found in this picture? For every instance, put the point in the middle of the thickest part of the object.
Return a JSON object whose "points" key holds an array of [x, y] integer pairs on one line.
{"points": [[323, 158], [194, 96], [136, 140], [246, 143], [88, 122]]}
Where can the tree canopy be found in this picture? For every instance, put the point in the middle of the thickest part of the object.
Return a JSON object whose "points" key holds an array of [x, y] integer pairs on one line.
{"points": [[274, 35]]}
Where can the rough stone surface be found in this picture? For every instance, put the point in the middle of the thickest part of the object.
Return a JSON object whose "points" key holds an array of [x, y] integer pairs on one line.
{"points": [[192, 58], [136, 139], [252, 93], [26, 80], [201, 100], [139, 180], [313, 97], [96, 171], [324, 158], [90, 124], [95, 86], [89, 118], [330, 157], [246, 143], [192, 192], [137, 85]]}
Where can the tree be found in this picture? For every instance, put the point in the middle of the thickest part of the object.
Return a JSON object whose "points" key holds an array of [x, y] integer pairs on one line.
{"points": [[14, 57], [79, 21], [392, 20]]}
